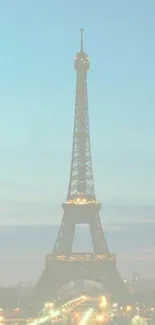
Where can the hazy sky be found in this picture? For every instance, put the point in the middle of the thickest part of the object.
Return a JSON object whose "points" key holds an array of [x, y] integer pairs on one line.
{"points": [[38, 41], [25, 249]]}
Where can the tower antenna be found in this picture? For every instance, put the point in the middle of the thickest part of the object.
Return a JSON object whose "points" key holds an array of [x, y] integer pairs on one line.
{"points": [[81, 30]]}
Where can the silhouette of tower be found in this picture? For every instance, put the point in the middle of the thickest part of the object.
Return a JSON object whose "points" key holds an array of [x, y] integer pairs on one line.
{"points": [[81, 207]]}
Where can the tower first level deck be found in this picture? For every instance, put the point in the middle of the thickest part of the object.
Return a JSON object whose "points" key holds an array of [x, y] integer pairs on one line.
{"points": [[80, 257]]}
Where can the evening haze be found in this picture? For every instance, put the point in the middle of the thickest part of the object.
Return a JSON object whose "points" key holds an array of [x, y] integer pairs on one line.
{"points": [[39, 40]]}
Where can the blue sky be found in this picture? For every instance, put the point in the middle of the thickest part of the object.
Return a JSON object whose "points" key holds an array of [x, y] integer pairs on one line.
{"points": [[39, 40]]}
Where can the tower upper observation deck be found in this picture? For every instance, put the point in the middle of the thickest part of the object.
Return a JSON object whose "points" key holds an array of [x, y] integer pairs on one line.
{"points": [[81, 61]]}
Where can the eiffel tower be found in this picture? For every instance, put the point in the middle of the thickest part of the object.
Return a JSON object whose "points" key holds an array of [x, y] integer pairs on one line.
{"points": [[81, 207]]}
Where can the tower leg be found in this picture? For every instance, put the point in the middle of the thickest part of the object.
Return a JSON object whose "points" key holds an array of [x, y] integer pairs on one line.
{"points": [[59, 273], [64, 241]]}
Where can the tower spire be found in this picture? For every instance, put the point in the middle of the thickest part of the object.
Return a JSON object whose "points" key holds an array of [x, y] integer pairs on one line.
{"points": [[81, 31]]}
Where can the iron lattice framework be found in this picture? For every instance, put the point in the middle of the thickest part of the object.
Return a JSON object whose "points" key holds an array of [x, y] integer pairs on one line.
{"points": [[81, 176], [81, 206]]}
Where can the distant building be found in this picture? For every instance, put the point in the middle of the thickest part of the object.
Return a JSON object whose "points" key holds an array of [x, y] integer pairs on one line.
{"points": [[141, 286], [135, 278]]}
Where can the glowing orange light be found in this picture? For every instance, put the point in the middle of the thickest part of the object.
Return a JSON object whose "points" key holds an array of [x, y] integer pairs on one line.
{"points": [[128, 308], [99, 318]]}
